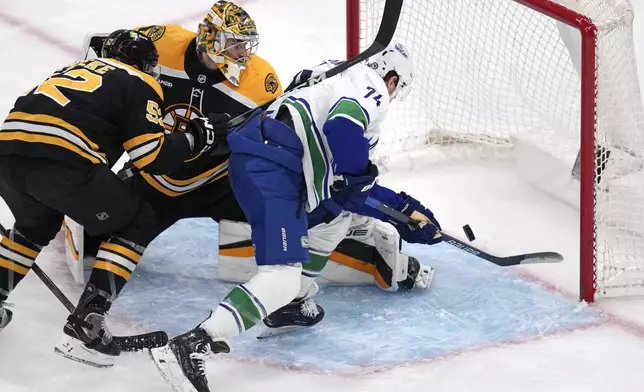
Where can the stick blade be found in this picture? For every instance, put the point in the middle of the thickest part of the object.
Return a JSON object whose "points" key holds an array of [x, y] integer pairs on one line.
{"points": [[530, 258]]}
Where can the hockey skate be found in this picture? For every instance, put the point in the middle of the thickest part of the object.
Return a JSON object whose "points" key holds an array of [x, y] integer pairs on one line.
{"points": [[5, 316], [87, 339], [182, 362], [292, 317]]}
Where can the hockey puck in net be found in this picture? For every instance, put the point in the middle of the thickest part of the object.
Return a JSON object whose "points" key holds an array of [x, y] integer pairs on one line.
{"points": [[469, 233]]}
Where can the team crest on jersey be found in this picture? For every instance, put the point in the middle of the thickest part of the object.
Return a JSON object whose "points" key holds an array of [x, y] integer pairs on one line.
{"points": [[153, 32], [270, 83], [178, 116]]}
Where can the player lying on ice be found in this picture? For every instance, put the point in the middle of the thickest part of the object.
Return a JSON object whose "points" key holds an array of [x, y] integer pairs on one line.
{"points": [[206, 72], [308, 153]]}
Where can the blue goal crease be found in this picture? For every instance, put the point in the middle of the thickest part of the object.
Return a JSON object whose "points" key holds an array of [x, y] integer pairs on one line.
{"points": [[471, 304]]}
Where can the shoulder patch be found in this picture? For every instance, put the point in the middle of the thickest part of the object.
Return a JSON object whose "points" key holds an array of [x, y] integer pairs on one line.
{"points": [[153, 32], [270, 83]]}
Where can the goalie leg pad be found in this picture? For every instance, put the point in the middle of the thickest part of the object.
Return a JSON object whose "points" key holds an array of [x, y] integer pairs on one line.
{"points": [[236, 253], [371, 253]]}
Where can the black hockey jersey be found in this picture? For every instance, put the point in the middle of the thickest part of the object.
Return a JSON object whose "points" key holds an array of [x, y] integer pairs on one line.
{"points": [[192, 90], [90, 112]]}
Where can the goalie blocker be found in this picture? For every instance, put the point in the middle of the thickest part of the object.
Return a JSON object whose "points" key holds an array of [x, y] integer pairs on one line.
{"points": [[369, 253]]}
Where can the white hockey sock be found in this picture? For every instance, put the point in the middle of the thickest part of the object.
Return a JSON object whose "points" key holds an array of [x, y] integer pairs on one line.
{"points": [[249, 303]]}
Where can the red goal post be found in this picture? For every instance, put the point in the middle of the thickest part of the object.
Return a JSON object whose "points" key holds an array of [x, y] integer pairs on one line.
{"points": [[591, 75]]}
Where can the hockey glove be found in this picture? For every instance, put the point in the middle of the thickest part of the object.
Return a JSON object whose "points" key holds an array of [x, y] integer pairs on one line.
{"points": [[207, 132], [351, 192], [428, 229]]}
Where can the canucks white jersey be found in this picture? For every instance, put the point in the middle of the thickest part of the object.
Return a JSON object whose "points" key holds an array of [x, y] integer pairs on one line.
{"points": [[358, 94]]}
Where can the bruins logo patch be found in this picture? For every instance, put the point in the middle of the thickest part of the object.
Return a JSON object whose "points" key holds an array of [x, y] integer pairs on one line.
{"points": [[153, 32], [270, 83]]}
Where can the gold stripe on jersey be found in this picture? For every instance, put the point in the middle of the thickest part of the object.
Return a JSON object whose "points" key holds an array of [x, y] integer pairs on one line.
{"points": [[173, 187], [42, 128], [144, 149], [172, 45], [258, 82], [46, 119], [148, 79]]}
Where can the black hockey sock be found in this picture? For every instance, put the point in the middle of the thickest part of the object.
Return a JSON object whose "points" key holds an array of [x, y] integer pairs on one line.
{"points": [[115, 262], [17, 255]]}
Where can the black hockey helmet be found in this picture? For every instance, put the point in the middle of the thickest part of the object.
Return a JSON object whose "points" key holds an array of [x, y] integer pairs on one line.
{"points": [[133, 48]]}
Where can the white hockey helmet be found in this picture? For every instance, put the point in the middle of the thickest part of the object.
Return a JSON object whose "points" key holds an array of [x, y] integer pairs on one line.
{"points": [[395, 58]]}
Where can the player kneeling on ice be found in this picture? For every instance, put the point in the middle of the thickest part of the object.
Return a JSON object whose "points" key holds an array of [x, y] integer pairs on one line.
{"points": [[284, 163], [56, 149]]}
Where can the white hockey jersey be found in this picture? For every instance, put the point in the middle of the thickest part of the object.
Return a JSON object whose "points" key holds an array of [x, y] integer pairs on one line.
{"points": [[358, 94]]}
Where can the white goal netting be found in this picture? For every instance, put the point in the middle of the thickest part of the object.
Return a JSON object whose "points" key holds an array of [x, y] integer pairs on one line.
{"points": [[494, 73]]}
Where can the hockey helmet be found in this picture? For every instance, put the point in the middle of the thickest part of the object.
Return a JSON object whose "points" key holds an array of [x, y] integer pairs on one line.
{"points": [[133, 48], [395, 58], [228, 36]]}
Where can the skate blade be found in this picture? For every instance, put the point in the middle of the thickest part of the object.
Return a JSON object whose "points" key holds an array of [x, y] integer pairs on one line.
{"points": [[169, 368], [75, 350], [272, 332]]}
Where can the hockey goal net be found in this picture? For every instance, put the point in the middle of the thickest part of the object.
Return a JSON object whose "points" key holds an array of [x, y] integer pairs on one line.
{"points": [[496, 74]]}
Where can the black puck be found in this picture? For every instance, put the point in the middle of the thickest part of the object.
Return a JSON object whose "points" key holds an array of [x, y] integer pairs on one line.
{"points": [[469, 233]]}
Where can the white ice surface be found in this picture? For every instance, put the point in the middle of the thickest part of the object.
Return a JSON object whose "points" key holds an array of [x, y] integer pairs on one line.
{"points": [[38, 36]]}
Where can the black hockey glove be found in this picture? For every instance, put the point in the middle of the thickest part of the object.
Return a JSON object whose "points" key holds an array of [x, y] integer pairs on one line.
{"points": [[352, 192], [208, 132]]}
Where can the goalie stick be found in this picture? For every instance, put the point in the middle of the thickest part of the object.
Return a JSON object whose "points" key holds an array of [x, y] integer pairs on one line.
{"points": [[525, 258], [386, 31], [126, 343]]}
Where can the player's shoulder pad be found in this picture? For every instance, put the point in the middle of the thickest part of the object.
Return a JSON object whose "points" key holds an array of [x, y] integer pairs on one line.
{"points": [[367, 87], [259, 81], [135, 73], [171, 42]]}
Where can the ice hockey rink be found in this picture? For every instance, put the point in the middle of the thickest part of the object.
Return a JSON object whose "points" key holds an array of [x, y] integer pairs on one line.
{"points": [[480, 327]]}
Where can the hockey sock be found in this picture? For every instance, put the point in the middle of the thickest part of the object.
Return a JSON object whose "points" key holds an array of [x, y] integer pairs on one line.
{"points": [[17, 255], [115, 261], [310, 271], [249, 303]]}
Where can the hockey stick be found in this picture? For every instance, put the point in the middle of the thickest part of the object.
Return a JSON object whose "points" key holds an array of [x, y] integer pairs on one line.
{"points": [[386, 31], [126, 343], [525, 258]]}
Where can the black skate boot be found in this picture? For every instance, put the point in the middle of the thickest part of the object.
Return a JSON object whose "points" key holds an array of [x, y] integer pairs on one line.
{"points": [[182, 362], [5, 316], [297, 315], [88, 341]]}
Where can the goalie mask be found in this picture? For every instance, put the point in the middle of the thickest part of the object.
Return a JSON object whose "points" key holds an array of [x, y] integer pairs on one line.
{"points": [[396, 59], [228, 37]]}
